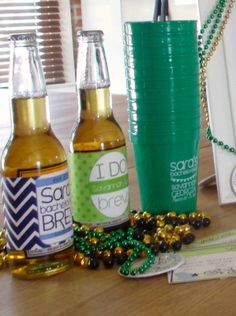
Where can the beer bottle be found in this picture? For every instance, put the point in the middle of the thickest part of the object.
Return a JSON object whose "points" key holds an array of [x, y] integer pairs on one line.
{"points": [[97, 158], [36, 195]]}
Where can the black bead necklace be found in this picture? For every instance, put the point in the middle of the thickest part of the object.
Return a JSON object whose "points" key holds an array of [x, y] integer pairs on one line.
{"points": [[146, 237]]}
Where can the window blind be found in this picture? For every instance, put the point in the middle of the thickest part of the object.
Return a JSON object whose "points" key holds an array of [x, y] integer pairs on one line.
{"points": [[43, 17]]}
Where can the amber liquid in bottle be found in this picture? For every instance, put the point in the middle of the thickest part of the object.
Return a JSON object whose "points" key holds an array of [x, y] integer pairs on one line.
{"points": [[98, 156], [97, 129], [33, 150]]}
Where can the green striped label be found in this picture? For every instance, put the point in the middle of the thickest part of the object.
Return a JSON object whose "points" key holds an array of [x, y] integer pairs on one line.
{"points": [[108, 186]]}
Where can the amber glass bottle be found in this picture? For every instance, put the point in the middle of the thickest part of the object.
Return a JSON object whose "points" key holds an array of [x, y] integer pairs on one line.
{"points": [[97, 159], [36, 193]]}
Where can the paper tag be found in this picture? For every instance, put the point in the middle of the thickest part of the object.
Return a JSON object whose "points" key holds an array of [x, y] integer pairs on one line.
{"points": [[207, 263], [215, 239], [163, 263]]}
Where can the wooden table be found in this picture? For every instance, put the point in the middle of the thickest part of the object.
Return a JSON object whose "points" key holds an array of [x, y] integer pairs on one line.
{"points": [[103, 292]]}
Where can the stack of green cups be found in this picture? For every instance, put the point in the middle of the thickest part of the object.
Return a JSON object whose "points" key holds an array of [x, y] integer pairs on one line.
{"points": [[162, 75]]}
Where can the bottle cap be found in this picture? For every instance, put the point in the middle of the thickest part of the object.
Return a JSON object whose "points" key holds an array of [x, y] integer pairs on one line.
{"points": [[23, 39]]}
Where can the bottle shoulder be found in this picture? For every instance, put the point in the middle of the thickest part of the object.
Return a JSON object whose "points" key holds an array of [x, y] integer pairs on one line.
{"points": [[97, 134], [35, 151]]}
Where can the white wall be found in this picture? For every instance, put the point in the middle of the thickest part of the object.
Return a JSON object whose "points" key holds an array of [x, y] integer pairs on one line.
{"points": [[106, 16], [109, 15]]}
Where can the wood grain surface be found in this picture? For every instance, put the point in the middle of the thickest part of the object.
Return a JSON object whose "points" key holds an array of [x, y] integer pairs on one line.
{"points": [[103, 292]]}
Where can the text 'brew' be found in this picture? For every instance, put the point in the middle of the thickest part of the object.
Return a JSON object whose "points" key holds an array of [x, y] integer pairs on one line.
{"points": [[97, 159]]}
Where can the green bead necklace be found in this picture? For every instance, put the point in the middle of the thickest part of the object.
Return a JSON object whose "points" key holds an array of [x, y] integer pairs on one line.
{"points": [[147, 236], [208, 39], [92, 245]]}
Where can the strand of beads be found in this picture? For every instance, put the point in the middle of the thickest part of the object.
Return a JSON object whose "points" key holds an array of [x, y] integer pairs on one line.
{"points": [[210, 35], [93, 245], [164, 232], [3, 251], [147, 236]]}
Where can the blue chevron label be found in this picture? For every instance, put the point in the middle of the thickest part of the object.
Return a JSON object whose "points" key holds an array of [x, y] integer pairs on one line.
{"points": [[37, 213]]}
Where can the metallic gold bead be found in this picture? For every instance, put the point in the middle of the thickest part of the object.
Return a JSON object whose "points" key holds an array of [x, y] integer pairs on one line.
{"points": [[192, 216], [78, 256], [186, 228], [147, 215], [3, 260], [129, 252], [175, 237], [182, 216], [2, 233], [168, 236], [137, 216], [85, 262], [179, 230], [147, 239], [160, 223], [2, 243], [169, 228], [94, 241], [160, 217], [99, 229], [118, 250], [106, 253], [132, 221], [143, 254], [171, 214], [155, 237], [85, 227], [203, 214], [161, 235], [171, 240]]}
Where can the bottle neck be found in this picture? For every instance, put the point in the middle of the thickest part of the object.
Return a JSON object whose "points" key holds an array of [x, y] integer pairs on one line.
{"points": [[26, 79], [27, 87], [30, 116], [95, 103]]}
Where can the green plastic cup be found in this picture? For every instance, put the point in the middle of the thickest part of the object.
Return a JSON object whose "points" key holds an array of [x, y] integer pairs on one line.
{"points": [[167, 172], [160, 113], [160, 61], [162, 71], [163, 137], [152, 28], [163, 84], [158, 105], [177, 117], [157, 93], [174, 51], [134, 70], [161, 128], [165, 107], [147, 41]]}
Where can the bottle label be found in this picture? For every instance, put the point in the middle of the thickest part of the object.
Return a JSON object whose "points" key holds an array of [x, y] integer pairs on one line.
{"points": [[99, 187], [38, 214]]}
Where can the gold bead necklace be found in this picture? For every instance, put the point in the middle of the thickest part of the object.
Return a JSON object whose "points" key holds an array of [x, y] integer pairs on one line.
{"points": [[215, 24]]}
